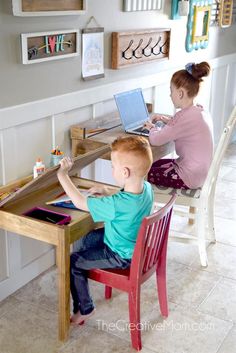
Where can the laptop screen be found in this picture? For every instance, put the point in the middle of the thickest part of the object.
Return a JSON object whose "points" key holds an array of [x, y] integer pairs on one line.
{"points": [[132, 108]]}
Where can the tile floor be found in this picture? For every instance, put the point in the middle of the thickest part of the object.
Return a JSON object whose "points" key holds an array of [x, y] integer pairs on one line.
{"points": [[202, 302]]}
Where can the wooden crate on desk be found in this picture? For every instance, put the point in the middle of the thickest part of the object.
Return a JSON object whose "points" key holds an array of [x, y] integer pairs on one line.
{"points": [[96, 126], [83, 132], [82, 146]]}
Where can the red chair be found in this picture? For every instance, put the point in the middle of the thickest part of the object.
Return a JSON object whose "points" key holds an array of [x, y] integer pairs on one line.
{"points": [[149, 257]]}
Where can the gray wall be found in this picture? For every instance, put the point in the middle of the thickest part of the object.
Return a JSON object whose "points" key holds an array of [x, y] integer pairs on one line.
{"points": [[24, 83]]}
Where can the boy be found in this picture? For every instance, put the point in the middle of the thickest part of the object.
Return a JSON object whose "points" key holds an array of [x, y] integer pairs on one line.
{"points": [[122, 214]]}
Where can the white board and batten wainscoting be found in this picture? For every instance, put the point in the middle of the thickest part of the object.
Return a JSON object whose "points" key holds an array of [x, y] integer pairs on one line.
{"points": [[30, 130]]}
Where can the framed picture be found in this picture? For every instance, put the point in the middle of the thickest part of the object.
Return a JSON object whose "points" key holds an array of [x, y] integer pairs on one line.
{"points": [[198, 25], [92, 53], [201, 23], [225, 13], [48, 8], [44, 46]]}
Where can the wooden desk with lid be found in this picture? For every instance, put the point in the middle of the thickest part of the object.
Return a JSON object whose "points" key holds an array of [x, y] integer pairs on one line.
{"points": [[35, 193]]}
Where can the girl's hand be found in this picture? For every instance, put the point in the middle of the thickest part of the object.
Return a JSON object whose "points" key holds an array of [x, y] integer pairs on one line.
{"points": [[65, 165], [148, 125], [159, 117]]}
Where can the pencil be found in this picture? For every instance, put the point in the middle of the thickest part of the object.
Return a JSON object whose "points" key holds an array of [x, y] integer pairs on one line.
{"points": [[51, 220]]}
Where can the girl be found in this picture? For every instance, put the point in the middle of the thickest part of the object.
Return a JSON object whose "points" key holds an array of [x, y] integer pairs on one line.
{"points": [[188, 129]]}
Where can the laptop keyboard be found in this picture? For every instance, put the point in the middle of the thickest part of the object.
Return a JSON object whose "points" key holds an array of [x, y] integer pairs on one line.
{"points": [[141, 129]]}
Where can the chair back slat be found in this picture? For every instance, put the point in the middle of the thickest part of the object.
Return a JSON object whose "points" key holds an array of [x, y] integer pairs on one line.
{"points": [[159, 241], [154, 245], [146, 252], [148, 247], [164, 236], [219, 154], [152, 235]]}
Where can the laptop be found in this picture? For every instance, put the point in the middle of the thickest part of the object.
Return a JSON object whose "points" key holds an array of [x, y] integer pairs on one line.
{"points": [[133, 111]]}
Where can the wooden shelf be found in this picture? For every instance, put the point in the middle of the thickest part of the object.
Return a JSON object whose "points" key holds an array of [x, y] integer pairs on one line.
{"points": [[48, 7]]}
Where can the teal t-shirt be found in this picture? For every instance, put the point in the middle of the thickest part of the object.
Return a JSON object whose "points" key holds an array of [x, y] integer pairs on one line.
{"points": [[122, 214]]}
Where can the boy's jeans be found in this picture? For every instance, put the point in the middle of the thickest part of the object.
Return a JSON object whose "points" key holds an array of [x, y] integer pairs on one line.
{"points": [[90, 252]]}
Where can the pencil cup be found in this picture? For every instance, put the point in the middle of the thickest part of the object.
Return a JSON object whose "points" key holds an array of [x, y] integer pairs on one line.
{"points": [[55, 159]]}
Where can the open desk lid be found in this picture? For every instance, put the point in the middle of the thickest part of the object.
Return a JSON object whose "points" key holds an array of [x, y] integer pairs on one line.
{"points": [[50, 175]]}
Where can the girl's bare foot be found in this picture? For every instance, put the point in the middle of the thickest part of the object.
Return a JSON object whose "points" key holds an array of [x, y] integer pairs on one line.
{"points": [[78, 318]]}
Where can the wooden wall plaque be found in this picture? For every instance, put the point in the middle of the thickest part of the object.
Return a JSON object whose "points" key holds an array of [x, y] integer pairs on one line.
{"points": [[48, 7], [43, 46], [138, 47], [225, 13]]}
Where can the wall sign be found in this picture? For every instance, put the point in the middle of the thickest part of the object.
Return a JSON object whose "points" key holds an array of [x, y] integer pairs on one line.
{"points": [[48, 7], [92, 53], [225, 13], [44, 46], [142, 5]]}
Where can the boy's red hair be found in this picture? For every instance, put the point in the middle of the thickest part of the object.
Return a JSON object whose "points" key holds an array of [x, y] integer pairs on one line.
{"points": [[135, 147]]}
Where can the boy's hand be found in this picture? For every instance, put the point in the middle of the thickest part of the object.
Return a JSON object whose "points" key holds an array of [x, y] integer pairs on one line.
{"points": [[99, 190], [79, 200], [65, 165]]}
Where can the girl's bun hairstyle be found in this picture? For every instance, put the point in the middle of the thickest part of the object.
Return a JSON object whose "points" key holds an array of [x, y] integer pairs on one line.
{"points": [[191, 77], [200, 70]]}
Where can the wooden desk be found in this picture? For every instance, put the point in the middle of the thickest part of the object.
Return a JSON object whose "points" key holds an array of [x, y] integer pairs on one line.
{"points": [[108, 137], [35, 192], [11, 219]]}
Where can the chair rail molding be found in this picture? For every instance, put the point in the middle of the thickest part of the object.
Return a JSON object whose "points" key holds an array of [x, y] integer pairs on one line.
{"points": [[40, 109]]}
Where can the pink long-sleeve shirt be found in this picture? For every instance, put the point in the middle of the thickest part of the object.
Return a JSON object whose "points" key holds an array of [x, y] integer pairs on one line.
{"points": [[191, 132]]}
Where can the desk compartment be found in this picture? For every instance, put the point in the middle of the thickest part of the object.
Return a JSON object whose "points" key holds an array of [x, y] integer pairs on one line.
{"points": [[46, 215]]}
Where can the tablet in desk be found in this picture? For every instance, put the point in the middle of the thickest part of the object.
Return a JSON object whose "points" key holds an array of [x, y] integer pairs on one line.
{"points": [[46, 215]]}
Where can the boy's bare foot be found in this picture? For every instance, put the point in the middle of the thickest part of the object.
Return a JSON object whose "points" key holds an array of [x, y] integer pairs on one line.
{"points": [[72, 318], [78, 318]]}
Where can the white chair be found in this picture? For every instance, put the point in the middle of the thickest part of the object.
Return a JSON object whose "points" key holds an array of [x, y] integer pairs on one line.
{"points": [[200, 202]]}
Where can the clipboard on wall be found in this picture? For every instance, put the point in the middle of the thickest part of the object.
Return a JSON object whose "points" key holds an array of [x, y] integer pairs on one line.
{"points": [[92, 51]]}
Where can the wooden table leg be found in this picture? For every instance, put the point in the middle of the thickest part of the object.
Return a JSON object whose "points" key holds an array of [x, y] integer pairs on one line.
{"points": [[63, 263]]}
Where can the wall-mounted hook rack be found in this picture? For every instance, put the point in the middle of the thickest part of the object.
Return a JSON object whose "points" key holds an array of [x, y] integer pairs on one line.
{"points": [[156, 48], [148, 48], [139, 46], [124, 55]]}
